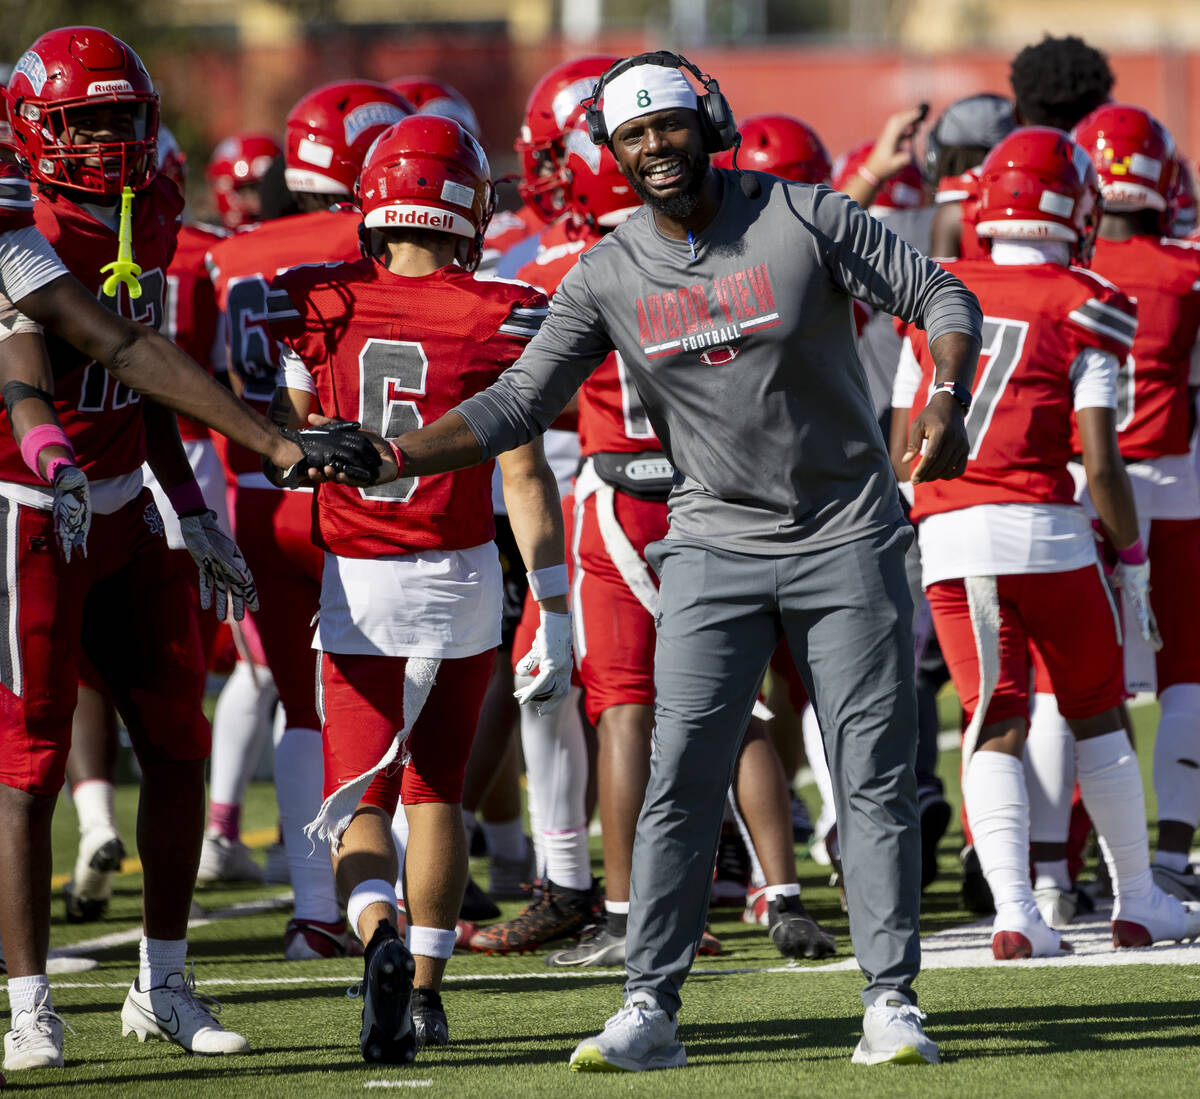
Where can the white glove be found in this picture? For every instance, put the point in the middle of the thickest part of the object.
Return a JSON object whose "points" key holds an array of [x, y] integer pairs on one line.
{"points": [[1135, 579], [223, 569], [551, 655], [72, 510]]}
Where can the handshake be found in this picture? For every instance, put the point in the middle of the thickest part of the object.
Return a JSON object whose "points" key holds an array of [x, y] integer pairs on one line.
{"points": [[335, 450]]}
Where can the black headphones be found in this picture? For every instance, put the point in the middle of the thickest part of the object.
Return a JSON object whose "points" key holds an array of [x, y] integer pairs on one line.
{"points": [[717, 125]]}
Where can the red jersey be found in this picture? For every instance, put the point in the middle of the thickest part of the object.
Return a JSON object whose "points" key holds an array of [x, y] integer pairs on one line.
{"points": [[102, 417], [1163, 277], [191, 314], [964, 190], [241, 268], [395, 353], [16, 198], [611, 416], [1037, 320]]}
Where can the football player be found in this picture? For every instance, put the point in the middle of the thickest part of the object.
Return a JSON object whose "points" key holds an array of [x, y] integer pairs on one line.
{"points": [[85, 116], [328, 133], [1135, 159], [410, 598], [1007, 554], [235, 174]]}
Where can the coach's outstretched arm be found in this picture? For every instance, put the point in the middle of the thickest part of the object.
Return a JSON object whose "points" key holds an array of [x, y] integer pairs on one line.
{"points": [[153, 366], [523, 402]]}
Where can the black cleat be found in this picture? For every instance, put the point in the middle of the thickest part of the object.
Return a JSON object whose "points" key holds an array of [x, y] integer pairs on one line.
{"points": [[795, 933], [477, 906], [388, 1036], [429, 1019], [976, 893]]}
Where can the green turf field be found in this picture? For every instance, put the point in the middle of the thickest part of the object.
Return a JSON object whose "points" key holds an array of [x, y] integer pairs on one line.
{"points": [[752, 1025]]}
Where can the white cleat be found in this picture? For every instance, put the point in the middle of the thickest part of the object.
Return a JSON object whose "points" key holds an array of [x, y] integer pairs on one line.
{"points": [[36, 1039], [222, 859], [892, 1034], [1155, 917], [1058, 907], [1019, 931], [1185, 885], [175, 1012]]}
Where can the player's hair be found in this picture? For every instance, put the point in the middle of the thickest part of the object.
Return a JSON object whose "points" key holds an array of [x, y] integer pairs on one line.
{"points": [[1058, 81], [953, 160]]}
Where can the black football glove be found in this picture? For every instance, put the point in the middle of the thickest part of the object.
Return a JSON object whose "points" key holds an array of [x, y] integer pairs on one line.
{"points": [[339, 445]]}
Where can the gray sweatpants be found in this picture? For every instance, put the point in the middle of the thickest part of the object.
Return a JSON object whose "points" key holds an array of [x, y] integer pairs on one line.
{"points": [[847, 616]]}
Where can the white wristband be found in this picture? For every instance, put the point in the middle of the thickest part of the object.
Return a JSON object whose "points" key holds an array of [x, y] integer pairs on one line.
{"points": [[549, 582]]}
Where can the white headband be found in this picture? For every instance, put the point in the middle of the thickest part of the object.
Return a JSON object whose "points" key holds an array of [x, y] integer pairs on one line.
{"points": [[644, 90]]}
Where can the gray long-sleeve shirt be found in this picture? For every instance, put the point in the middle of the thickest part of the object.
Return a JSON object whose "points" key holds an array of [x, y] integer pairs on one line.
{"points": [[744, 359]]}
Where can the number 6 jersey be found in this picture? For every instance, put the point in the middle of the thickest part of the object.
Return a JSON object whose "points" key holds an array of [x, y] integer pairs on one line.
{"points": [[395, 353]]}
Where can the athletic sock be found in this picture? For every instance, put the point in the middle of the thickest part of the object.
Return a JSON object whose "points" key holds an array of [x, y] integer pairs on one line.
{"points": [[1177, 756], [998, 810], [94, 803], [1049, 772], [158, 959], [299, 768], [430, 942], [506, 839], [616, 917], [1052, 875], [400, 838], [814, 748], [25, 992], [372, 891], [241, 724], [792, 889], [1111, 786]]}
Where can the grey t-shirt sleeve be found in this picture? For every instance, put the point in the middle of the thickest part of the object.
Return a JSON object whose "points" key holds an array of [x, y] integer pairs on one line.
{"points": [[530, 394], [871, 263]]}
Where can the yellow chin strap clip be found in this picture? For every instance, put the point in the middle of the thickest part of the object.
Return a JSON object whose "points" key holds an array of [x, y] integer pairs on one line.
{"points": [[123, 269]]}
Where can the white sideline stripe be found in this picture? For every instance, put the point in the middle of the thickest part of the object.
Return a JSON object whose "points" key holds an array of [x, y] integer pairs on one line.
{"points": [[134, 934], [398, 1084]]}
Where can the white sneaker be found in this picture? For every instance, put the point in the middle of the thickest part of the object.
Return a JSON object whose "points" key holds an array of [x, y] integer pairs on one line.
{"points": [[1155, 917], [96, 866], [1058, 907], [640, 1037], [175, 1012], [223, 859], [36, 1038], [277, 872], [892, 1034]]}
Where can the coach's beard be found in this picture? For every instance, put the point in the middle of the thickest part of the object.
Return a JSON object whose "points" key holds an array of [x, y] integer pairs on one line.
{"points": [[683, 202]]}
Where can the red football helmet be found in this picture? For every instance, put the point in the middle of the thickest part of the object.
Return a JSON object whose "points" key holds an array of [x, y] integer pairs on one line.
{"points": [[431, 96], [427, 172], [1181, 205], [330, 130], [172, 162], [552, 110], [781, 145], [69, 71], [1037, 184], [904, 191], [238, 162], [597, 192], [1134, 156]]}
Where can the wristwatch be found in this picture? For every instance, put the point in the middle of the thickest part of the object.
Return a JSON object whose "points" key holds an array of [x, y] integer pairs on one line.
{"points": [[959, 392]]}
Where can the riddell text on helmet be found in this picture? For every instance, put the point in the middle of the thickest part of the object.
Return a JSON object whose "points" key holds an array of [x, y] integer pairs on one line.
{"points": [[418, 217]]}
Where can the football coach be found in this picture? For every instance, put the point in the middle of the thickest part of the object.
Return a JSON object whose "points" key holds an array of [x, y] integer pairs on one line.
{"points": [[729, 298]]}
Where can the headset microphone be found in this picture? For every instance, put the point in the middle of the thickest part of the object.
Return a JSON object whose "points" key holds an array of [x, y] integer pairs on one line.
{"points": [[751, 188]]}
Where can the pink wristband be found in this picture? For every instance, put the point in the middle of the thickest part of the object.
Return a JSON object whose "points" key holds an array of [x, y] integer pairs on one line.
{"points": [[1132, 555], [38, 438], [186, 497]]}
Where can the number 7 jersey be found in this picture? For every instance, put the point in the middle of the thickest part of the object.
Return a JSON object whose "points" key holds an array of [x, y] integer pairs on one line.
{"points": [[395, 353], [1038, 320]]}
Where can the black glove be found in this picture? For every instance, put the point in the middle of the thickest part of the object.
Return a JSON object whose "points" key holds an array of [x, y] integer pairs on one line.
{"points": [[340, 445]]}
